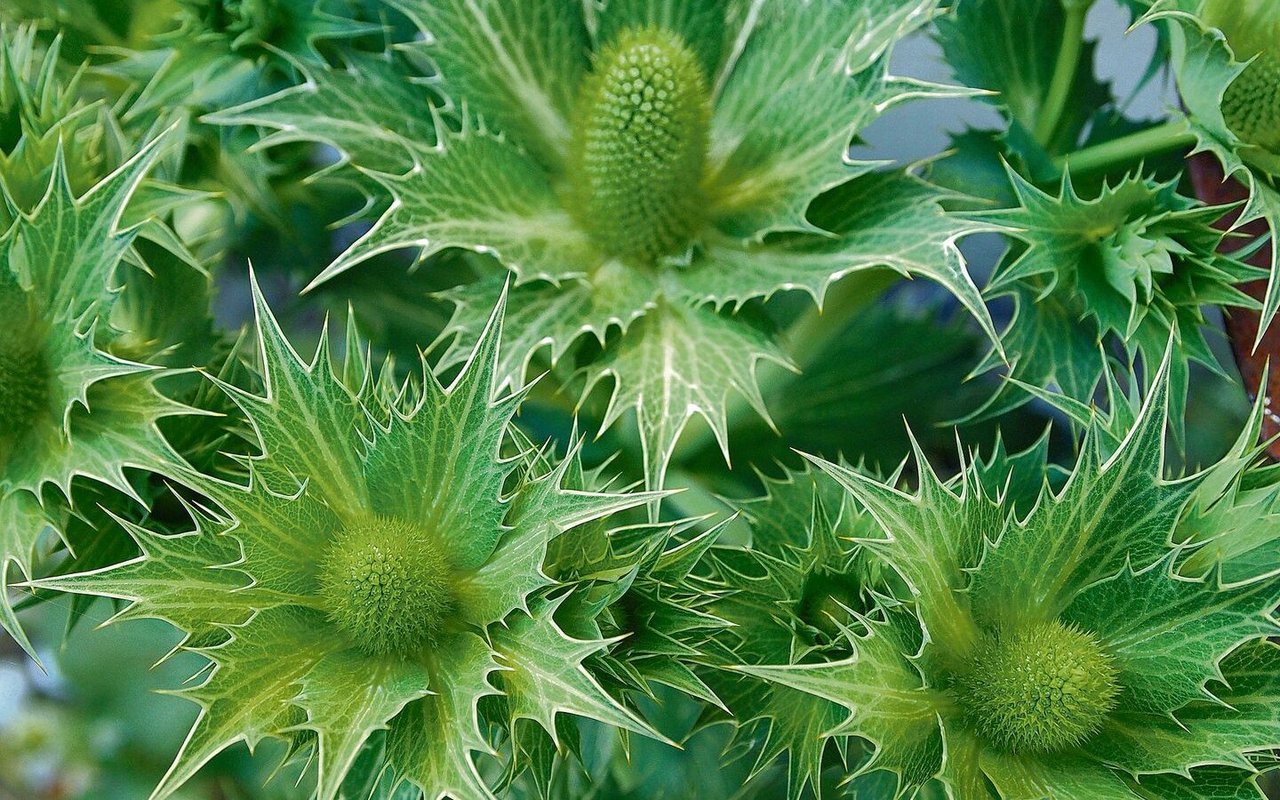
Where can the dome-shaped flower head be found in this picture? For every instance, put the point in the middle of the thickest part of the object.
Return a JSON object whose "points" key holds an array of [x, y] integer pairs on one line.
{"points": [[643, 167], [380, 568], [1063, 646]]}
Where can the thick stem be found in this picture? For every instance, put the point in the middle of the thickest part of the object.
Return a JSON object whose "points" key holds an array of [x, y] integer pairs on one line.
{"points": [[1064, 73], [1127, 149]]}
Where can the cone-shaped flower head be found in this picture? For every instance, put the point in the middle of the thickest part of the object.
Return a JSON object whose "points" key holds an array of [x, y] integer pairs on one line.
{"points": [[1052, 644], [639, 144], [642, 167], [381, 568]]}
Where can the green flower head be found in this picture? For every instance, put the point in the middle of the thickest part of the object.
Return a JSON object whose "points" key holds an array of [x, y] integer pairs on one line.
{"points": [[380, 568], [641, 166], [1084, 646], [1251, 105]]}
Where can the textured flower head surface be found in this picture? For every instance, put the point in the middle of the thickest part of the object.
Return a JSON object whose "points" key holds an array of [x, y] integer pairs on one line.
{"points": [[1132, 266], [1251, 104], [380, 569], [1063, 650], [642, 166]]}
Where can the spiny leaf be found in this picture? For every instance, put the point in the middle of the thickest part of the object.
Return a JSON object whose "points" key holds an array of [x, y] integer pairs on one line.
{"points": [[548, 317], [476, 191], [882, 220], [786, 105], [1166, 634], [543, 674], [678, 362], [371, 111], [525, 84]]}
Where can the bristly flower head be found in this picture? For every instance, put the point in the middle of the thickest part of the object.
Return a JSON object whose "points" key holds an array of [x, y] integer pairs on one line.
{"points": [[1251, 104], [1066, 650], [381, 568], [642, 167]]}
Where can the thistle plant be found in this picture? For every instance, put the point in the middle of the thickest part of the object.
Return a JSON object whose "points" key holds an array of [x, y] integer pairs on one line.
{"points": [[379, 568], [1061, 652], [390, 564], [643, 168]]}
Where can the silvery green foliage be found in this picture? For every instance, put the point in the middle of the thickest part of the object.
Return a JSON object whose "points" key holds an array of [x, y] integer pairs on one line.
{"points": [[416, 577]]}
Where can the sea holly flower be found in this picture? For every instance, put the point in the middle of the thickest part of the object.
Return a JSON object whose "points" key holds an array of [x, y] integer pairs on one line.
{"points": [[380, 568], [786, 598], [1225, 57], [1132, 267], [1057, 651], [644, 168], [70, 409]]}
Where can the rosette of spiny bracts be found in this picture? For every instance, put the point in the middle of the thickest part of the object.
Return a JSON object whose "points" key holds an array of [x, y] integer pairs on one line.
{"points": [[1109, 275], [649, 170], [384, 566], [1225, 56], [87, 252], [1107, 639], [78, 397]]}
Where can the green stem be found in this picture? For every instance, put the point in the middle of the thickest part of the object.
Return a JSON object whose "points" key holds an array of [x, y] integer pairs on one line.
{"points": [[811, 332], [1064, 73], [1126, 149], [803, 341]]}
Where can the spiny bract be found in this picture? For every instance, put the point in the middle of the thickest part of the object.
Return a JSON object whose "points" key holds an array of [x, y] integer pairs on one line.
{"points": [[1069, 651], [639, 166], [374, 573], [1131, 267]]}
